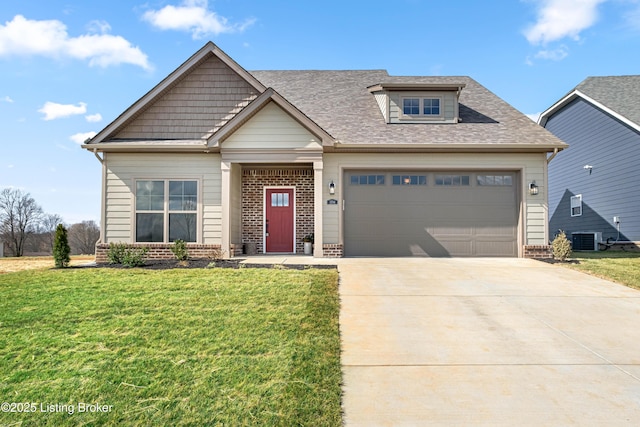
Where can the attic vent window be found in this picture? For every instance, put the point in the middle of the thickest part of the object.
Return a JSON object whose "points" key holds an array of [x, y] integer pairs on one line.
{"points": [[421, 107]]}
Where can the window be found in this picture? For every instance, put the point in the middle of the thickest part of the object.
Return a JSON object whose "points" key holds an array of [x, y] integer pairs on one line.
{"points": [[367, 180], [409, 180], [166, 208], [495, 180], [280, 199], [421, 106], [576, 205], [452, 180]]}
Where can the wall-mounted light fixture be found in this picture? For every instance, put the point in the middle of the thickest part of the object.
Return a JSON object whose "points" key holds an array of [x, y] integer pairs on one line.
{"points": [[588, 167], [533, 188], [332, 188]]}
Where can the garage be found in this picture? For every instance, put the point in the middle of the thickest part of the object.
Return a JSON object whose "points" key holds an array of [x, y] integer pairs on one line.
{"points": [[431, 213]]}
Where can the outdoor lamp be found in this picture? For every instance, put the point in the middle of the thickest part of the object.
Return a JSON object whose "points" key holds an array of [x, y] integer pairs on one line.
{"points": [[533, 188], [332, 188]]}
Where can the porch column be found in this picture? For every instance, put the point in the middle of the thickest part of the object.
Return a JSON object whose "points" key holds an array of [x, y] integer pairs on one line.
{"points": [[226, 208], [318, 193]]}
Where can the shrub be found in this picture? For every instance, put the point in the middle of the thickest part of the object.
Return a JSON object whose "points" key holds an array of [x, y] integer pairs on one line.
{"points": [[121, 253], [179, 249], [116, 251], [561, 246], [134, 257], [61, 249], [216, 254]]}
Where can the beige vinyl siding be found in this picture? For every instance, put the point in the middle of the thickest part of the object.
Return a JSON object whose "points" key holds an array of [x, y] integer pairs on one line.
{"points": [[271, 128], [200, 103], [122, 171], [530, 166], [382, 98], [448, 105]]}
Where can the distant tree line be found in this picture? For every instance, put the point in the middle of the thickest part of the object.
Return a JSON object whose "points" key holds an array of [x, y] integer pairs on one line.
{"points": [[26, 229]]}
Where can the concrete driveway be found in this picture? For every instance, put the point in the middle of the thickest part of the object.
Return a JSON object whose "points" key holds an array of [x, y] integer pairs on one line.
{"points": [[507, 342]]}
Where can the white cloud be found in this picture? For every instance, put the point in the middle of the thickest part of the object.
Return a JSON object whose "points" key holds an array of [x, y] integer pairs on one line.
{"points": [[80, 138], [94, 118], [534, 116], [558, 19], [8, 99], [49, 38], [557, 54], [195, 17], [53, 111]]}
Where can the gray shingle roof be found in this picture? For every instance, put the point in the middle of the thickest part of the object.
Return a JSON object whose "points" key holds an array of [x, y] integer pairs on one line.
{"points": [[619, 93], [340, 103]]}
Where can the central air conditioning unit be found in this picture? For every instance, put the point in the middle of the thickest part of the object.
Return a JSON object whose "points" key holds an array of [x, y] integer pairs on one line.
{"points": [[585, 240]]}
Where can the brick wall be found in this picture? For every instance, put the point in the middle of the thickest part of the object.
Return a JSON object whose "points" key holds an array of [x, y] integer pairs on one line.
{"points": [[538, 252], [332, 250], [162, 250], [253, 182]]}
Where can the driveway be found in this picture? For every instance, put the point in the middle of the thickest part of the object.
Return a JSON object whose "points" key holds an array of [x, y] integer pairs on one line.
{"points": [[486, 342]]}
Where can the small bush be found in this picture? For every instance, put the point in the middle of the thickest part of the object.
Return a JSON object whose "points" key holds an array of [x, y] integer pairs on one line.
{"points": [[561, 246], [134, 257], [121, 253], [179, 249], [116, 251], [61, 249], [216, 254]]}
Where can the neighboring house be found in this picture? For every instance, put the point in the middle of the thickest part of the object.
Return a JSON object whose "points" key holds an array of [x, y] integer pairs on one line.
{"points": [[593, 185], [371, 164]]}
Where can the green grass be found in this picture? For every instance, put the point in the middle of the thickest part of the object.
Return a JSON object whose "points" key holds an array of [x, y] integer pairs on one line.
{"points": [[174, 347], [621, 267]]}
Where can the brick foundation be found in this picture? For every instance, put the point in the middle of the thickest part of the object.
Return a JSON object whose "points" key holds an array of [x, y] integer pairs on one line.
{"points": [[163, 250], [332, 250], [537, 252], [253, 182]]}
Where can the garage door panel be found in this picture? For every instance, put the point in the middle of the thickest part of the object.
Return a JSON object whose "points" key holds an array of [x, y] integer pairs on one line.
{"points": [[429, 220]]}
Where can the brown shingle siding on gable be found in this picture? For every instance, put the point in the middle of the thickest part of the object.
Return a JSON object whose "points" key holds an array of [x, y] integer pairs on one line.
{"points": [[200, 103]]}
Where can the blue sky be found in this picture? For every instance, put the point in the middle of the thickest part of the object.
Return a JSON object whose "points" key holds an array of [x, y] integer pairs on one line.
{"points": [[68, 68]]}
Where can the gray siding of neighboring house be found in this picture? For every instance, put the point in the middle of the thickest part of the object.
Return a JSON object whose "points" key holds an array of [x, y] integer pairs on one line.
{"points": [[613, 149]]}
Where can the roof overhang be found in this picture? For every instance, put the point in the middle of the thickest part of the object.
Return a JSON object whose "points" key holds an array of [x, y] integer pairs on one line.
{"points": [[269, 95], [447, 147], [571, 96], [151, 146], [457, 87]]}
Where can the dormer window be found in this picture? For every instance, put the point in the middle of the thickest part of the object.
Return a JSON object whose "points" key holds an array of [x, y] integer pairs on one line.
{"points": [[416, 107], [418, 103]]}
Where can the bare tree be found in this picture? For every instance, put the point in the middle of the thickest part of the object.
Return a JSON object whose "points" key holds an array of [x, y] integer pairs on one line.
{"points": [[47, 227], [19, 213], [83, 237]]}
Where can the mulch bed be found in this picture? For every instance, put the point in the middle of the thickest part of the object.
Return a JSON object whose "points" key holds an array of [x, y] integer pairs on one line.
{"points": [[167, 264]]}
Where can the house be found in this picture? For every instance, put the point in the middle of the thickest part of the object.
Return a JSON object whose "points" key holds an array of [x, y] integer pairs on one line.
{"points": [[371, 164], [592, 186]]}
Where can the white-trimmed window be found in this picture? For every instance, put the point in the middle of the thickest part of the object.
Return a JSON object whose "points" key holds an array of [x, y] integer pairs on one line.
{"points": [[576, 205], [166, 210], [417, 107]]}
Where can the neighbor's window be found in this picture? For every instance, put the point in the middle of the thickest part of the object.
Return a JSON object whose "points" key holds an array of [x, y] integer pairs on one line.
{"points": [[576, 205], [421, 106], [166, 208], [452, 180]]}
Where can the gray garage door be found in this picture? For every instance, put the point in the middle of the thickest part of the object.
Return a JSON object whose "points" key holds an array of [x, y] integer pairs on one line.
{"points": [[427, 213]]}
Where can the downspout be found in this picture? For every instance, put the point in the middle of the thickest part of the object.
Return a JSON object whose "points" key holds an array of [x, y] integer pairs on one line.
{"points": [[555, 153], [95, 153]]}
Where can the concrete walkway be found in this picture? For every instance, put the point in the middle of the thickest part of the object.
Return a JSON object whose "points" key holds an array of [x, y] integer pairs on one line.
{"points": [[489, 342]]}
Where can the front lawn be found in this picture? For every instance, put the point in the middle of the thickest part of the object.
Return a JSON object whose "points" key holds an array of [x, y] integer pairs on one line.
{"points": [[172, 347], [619, 266]]}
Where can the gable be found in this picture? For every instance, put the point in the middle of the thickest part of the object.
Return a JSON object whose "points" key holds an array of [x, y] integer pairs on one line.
{"points": [[271, 128], [202, 102]]}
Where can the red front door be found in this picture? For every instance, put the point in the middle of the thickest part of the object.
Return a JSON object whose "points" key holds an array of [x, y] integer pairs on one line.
{"points": [[279, 220]]}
